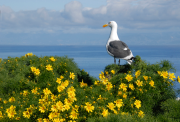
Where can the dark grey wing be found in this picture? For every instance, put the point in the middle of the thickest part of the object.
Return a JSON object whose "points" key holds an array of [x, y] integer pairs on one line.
{"points": [[118, 45], [117, 48]]}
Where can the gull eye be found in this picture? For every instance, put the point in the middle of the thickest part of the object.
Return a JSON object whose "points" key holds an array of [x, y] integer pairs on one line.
{"points": [[109, 22]]}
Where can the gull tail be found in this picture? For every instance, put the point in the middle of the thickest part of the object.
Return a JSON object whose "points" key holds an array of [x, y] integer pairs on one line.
{"points": [[130, 60]]}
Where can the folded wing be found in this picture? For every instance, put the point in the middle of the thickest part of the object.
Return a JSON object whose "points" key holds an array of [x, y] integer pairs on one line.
{"points": [[119, 49]]}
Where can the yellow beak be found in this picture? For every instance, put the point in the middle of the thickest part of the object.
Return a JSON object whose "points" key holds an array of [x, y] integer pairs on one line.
{"points": [[105, 25]]}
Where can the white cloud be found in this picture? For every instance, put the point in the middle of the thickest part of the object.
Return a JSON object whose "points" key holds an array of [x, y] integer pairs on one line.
{"points": [[74, 11], [151, 13], [129, 14], [100, 10]]}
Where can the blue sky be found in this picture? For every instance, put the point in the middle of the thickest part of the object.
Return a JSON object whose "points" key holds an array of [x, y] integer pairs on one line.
{"points": [[70, 22]]}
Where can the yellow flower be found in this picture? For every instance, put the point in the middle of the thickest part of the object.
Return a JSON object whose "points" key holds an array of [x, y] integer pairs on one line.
{"points": [[26, 114], [34, 91], [82, 84], [140, 90], [53, 97], [37, 72], [12, 99], [71, 93], [60, 88], [109, 86], [171, 76], [74, 115], [145, 77], [12, 108], [46, 91], [132, 105], [89, 107], [101, 76], [11, 111], [113, 72], [124, 113], [11, 114], [58, 80], [72, 76], [96, 82], [61, 77], [46, 120], [75, 108], [137, 73], [141, 114], [66, 106], [42, 108], [105, 113], [119, 92], [124, 96], [30, 109], [139, 83], [178, 79], [159, 72], [49, 67], [1, 115], [25, 93], [137, 103], [123, 86], [71, 89], [164, 74], [40, 120], [131, 86], [60, 106], [68, 101], [119, 103], [105, 81], [128, 77], [106, 72], [52, 59], [100, 98], [51, 115], [111, 106], [54, 108], [33, 69], [28, 54], [5, 101], [72, 98], [58, 120], [151, 83], [65, 83]]}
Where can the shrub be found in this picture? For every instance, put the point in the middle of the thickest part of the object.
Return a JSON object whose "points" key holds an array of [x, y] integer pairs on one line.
{"points": [[55, 89], [171, 108]]}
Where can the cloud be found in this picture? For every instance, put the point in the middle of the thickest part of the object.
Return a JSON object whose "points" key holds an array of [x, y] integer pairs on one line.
{"points": [[129, 14], [74, 11], [145, 13]]}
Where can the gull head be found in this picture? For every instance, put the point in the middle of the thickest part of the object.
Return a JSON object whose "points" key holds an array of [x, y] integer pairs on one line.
{"points": [[111, 24]]}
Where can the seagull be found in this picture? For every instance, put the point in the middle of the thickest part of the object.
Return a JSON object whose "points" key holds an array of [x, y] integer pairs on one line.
{"points": [[117, 48]]}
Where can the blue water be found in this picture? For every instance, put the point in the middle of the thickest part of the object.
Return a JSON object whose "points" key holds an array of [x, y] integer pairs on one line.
{"points": [[93, 59]]}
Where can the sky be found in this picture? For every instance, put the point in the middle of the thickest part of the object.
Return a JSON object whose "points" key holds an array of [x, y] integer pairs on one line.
{"points": [[79, 22]]}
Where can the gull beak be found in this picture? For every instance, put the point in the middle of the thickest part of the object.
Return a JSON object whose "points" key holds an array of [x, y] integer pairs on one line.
{"points": [[105, 25]]}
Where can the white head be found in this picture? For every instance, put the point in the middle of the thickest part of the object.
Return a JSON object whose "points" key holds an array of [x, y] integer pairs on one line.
{"points": [[111, 24], [113, 35]]}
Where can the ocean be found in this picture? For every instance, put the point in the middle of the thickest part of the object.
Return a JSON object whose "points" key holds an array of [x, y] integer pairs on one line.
{"points": [[93, 59]]}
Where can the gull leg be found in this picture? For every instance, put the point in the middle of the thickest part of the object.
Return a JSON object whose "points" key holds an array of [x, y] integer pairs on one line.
{"points": [[114, 60], [119, 62]]}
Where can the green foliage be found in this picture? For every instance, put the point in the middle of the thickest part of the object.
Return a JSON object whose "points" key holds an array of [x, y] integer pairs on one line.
{"points": [[152, 97], [129, 118], [85, 77], [16, 74], [171, 108], [31, 82]]}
